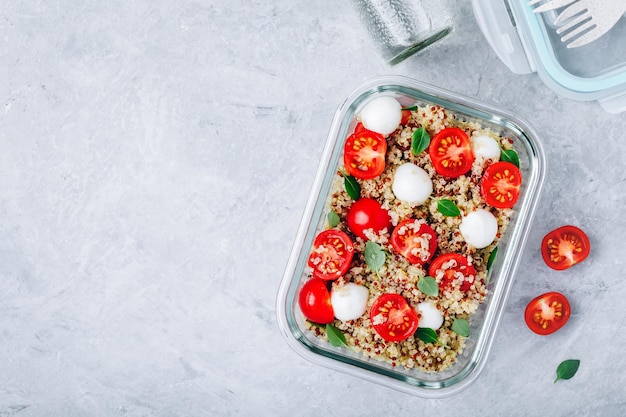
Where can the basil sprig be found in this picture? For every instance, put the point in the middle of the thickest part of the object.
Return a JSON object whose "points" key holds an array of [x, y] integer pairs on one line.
{"points": [[567, 369], [420, 141]]}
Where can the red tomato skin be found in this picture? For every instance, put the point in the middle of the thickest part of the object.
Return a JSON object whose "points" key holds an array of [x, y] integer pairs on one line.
{"points": [[345, 250], [399, 245], [534, 322], [406, 116], [376, 149], [464, 145], [567, 232], [491, 176], [446, 281], [399, 303], [314, 301], [366, 213]]}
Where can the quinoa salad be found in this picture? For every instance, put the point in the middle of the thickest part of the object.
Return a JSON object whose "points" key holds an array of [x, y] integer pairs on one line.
{"points": [[426, 195]]}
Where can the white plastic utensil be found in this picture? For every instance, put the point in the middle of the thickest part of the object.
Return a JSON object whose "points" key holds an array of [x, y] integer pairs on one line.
{"points": [[549, 5], [587, 20]]}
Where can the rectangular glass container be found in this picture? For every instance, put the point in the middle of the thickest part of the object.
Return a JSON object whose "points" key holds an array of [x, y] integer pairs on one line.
{"points": [[485, 321]]}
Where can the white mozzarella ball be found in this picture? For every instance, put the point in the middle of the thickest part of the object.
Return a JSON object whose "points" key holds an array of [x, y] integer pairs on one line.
{"points": [[430, 316], [382, 115], [411, 184], [479, 228], [485, 147], [349, 301]]}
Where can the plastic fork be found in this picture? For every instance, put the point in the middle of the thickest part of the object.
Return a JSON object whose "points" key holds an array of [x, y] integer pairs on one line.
{"points": [[549, 5], [587, 20]]}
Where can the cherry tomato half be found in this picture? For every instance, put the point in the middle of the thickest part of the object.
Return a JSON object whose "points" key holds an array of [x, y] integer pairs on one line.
{"points": [[501, 184], [367, 213], [453, 269], [547, 313], [314, 301], [406, 116], [364, 154], [392, 318], [565, 247], [415, 240], [332, 254], [451, 152]]}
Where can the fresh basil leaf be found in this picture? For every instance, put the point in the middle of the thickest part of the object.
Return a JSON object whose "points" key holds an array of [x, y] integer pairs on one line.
{"points": [[375, 256], [509, 155], [335, 336], [567, 369], [333, 219], [352, 186], [427, 335], [448, 208], [461, 327], [492, 258], [428, 285], [410, 108], [420, 141]]}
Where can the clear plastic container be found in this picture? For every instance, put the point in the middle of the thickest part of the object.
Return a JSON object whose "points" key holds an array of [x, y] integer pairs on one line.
{"points": [[527, 42], [485, 321]]}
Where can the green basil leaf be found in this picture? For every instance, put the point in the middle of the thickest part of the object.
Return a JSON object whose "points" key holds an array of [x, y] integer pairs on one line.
{"points": [[375, 256], [492, 258], [509, 155], [428, 285], [448, 208], [333, 219], [420, 141], [567, 369], [335, 336], [410, 108], [352, 186], [427, 335], [461, 327]]}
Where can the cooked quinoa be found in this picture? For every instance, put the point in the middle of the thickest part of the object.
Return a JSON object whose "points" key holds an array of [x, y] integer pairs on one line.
{"points": [[398, 275]]}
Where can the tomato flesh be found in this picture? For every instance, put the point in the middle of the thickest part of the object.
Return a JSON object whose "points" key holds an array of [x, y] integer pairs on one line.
{"points": [[392, 318], [565, 247], [451, 270], [547, 313], [415, 240], [314, 301], [451, 152], [500, 185], [365, 214], [332, 254], [364, 154]]}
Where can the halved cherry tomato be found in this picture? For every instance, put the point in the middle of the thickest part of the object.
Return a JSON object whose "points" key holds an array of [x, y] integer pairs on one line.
{"points": [[406, 115], [453, 269], [314, 301], [367, 213], [547, 313], [500, 184], [364, 154], [359, 127], [565, 247], [332, 254], [451, 152], [392, 317], [415, 240]]}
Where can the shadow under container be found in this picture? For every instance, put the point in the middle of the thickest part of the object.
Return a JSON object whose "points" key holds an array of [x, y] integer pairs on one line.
{"points": [[510, 248]]}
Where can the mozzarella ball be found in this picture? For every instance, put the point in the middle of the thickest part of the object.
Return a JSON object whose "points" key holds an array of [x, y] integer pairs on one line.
{"points": [[349, 301], [485, 147], [411, 184], [430, 316], [382, 115], [479, 228]]}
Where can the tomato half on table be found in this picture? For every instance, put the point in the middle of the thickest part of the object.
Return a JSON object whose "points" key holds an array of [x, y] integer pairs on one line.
{"points": [[364, 154], [367, 213], [565, 247], [415, 240], [547, 313], [500, 184], [392, 317], [451, 153], [314, 301], [452, 269], [332, 254]]}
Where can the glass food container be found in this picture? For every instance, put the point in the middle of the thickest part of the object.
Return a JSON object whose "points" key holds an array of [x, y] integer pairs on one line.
{"points": [[484, 321], [527, 42]]}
